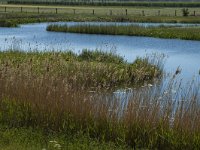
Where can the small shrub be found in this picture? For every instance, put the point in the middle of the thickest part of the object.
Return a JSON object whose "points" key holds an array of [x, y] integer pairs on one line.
{"points": [[185, 12]]}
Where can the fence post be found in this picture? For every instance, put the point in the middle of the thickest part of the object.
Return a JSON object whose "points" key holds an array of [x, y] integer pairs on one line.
{"points": [[194, 13], [93, 11], [56, 10], [158, 12], [111, 12], [5, 9], [126, 12], [175, 12], [143, 13], [38, 10], [21, 9]]}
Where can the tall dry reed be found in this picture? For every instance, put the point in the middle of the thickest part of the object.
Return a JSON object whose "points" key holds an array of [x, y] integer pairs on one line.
{"points": [[154, 116]]}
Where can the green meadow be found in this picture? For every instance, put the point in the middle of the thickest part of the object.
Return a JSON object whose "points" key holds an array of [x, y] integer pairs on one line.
{"points": [[12, 15]]}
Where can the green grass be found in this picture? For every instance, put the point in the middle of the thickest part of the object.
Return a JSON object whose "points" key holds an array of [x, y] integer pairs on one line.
{"points": [[99, 10], [18, 14], [23, 18], [35, 139], [187, 33]]}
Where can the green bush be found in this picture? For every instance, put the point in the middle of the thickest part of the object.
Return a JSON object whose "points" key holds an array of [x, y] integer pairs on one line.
{"points": [[185, 12]]}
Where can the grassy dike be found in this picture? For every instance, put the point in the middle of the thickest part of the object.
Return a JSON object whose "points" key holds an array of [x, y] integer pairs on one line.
{"points": [[19, 14], [187, 33], [13, 19], [49, 100]]}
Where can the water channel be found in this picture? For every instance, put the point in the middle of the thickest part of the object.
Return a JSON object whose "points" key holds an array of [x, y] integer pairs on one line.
{"points": [[181, 53]]}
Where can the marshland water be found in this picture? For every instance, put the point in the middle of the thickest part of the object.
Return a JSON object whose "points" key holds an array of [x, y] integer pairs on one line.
{"points": [[45, 87], [180, 53]]}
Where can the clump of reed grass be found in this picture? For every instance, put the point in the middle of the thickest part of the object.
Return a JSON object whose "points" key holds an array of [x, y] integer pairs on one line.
{"points": [[5, 23], [187, 33], [89, 69], [99, 56]]}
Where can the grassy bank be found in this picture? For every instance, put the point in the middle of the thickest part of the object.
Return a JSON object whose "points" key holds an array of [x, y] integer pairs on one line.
{"points": [[37, 104], [18, 18], [35, 139], [19, 14], [100, 11], [187, 33], [5, 23], [13, 19]]}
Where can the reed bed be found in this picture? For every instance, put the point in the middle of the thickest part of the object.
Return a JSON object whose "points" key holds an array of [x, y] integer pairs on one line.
{"points": [[187, 33], [154, 116], [4, 23], [89, 69]]}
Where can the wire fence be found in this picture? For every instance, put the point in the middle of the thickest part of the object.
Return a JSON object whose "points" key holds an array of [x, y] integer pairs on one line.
{"points": [[98, 11]]}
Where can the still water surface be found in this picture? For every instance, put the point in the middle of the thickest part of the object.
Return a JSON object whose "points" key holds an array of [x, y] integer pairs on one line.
{"points": [[183, 53]]}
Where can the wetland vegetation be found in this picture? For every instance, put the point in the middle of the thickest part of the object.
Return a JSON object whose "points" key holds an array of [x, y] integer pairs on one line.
{"points": [[44, 94], [15, 19], [187, 33], [88, 69], [4, 23], [57, 100]]}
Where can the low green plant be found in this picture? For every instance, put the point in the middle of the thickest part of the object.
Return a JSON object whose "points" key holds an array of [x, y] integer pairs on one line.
{"points": [[34, 139]]}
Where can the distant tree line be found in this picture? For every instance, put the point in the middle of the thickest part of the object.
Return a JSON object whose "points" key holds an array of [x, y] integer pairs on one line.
{"points": [[104, 1], [101, 0], [153, 3]]}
